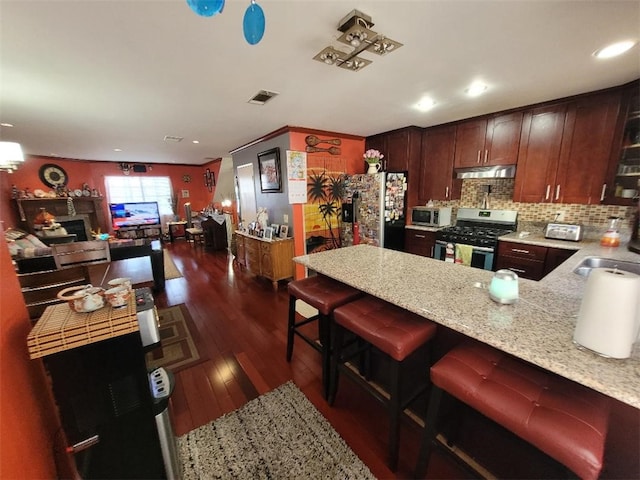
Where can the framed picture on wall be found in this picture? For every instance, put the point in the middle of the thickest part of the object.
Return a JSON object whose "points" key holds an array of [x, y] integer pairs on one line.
{"points": [[269, 164]]}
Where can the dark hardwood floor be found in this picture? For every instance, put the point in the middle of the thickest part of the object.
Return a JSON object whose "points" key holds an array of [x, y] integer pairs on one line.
{"points": [[241, 322]]}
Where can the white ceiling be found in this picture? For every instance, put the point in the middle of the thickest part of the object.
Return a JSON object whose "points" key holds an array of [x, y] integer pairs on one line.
{"points": [[82, 77]]}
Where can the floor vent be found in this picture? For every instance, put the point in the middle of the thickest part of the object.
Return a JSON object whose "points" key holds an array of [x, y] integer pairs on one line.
{"points": [[262, 97]]}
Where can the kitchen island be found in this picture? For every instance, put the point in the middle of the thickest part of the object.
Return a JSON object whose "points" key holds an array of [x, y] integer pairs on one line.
{"points": [[538, 328]]}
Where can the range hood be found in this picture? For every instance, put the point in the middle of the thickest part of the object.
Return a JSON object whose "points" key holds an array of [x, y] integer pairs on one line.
{"points": [[498, 171]]}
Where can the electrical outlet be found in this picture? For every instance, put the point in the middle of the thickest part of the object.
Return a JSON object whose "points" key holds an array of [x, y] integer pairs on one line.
{"points": [[285, 219], [559, 216]]}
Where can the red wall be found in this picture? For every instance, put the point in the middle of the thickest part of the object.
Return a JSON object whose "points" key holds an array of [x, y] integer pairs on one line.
{"points": [[28, 419], [351, 151], [93, 173]]}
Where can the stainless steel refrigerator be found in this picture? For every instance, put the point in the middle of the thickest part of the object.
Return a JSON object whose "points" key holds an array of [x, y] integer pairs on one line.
{"points": [[373, 209]]}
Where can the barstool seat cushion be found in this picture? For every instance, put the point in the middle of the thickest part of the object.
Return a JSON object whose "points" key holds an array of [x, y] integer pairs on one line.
{"points": [[322, 292], [565, 420], [393, 330]]}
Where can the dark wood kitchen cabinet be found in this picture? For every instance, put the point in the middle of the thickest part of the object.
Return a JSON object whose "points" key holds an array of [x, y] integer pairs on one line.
{"points": [[437, 179], [586, 147], [401, 149], [565, 149], [419, 242], [488, 141], [530, 261]]}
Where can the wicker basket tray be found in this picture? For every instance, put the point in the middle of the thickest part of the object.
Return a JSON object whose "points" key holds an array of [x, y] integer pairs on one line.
{"points": [[60, 328]]}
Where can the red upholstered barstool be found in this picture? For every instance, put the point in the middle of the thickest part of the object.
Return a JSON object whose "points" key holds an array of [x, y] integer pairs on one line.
{"points": [[325, 295], [565, 420], [395, 332]]}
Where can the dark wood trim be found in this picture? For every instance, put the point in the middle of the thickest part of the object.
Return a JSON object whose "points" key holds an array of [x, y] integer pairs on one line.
{"points": [[292, 129]]}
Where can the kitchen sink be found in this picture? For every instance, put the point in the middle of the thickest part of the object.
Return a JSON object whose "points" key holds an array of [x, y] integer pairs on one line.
{"points": [[588, 263]]}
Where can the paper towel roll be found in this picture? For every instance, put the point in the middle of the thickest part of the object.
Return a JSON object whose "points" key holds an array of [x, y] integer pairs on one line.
{"points": [[609, 316]]}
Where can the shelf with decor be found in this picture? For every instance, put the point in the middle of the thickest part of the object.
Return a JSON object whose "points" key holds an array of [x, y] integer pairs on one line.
{"points": [[627, 175]]}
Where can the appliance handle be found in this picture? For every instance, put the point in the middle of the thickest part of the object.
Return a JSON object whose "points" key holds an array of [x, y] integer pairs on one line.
{"points": [[475, 248]]}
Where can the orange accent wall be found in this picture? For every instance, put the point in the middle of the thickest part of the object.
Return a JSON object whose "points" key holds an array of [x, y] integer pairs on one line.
{"points": [[93, 173], [351, 152], [29, 425]]}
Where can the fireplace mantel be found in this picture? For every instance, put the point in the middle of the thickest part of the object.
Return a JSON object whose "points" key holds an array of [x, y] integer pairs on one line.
{"points": [[89, 207]]}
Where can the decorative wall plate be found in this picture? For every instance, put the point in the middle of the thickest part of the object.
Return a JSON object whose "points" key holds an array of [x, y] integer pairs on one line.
{"points": [[186, 178], [53, 175]]}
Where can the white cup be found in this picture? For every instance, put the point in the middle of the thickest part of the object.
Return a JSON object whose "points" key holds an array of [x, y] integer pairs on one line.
{"points": [[120, 282], [118, 296]]}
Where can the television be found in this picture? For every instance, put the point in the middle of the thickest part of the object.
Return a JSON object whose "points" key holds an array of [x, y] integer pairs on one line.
{"points": [[134, 214]]}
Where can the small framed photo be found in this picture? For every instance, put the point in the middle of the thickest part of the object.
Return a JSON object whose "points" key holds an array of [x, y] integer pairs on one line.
{"points": [[284, 231], [268, 233], [276, 229], [269, 165]]}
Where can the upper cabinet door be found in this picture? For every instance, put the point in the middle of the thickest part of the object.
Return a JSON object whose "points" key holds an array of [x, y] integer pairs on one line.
{"points": [[586, 148], [470, 143], [503, 139], [397, 151], [539, 154], [436, 170]]}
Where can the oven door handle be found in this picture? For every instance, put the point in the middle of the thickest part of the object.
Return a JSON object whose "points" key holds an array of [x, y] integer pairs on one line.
{"points": [[475, 248]]}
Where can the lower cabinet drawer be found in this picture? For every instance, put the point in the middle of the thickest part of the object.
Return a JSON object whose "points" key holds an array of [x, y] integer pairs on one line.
{"points": [[521, 250], [525, 268]]}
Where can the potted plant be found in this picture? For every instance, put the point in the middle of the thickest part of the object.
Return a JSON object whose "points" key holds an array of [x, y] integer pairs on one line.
{"points": [[373, 158]]}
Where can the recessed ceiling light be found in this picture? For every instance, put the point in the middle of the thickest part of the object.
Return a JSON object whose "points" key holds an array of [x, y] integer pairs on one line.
{"points": [[614, 49], [117, 149], [196, 141], [6, 125], [425, 104], [476, 89]]}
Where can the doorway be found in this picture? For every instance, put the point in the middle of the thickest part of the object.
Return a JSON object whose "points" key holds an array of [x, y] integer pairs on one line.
{"points": [[246, 193]]}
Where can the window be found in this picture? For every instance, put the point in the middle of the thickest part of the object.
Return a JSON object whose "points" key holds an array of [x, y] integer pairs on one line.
{"points": [[141, 189]]}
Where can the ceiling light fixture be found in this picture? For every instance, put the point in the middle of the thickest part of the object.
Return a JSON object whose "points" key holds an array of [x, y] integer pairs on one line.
{"points": [[8, 125], [10, 156], [476, 89], [425, 104], [356, 33], [614, 49]]}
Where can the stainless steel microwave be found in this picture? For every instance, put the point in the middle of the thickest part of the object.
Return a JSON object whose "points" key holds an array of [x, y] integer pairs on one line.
{"points": [[431, 216]]}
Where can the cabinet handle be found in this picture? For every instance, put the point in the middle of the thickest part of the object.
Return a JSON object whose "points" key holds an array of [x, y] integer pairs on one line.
{"points": [[519, 250], [557, 191], [517, 270], [478, 159], [431, 255], [486, 156], [446, 193], [421, 236], [546, 195], [604, 189]]}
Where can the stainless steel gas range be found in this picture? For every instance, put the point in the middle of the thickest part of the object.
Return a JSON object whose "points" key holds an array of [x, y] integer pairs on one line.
{"points": [[474, 238]]}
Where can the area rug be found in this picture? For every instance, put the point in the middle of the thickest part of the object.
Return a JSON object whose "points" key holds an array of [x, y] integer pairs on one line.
{"points": [[279, 435], [178, 346], [170, 269]]}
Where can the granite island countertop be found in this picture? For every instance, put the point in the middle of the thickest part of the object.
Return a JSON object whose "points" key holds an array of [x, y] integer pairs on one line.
{"points": [[538, 328]]}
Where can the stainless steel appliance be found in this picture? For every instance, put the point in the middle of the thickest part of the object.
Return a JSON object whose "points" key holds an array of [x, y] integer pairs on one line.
{"points": [[147, 316], [564, 231], [431, 216], [162, 383], [478, 230], [373, 210]]}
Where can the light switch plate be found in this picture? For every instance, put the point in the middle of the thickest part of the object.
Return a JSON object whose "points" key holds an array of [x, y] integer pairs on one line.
{"points": [[285, 218]]}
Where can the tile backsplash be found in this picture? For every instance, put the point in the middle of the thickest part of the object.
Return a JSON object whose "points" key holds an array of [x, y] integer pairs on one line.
{"points": [[543, 213]]}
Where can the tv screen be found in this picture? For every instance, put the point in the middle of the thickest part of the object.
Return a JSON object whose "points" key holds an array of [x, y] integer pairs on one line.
{"points": [[134, 214]]}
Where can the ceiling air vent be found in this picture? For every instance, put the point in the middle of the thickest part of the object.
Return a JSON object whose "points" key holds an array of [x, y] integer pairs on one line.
{"points": [[171, 138], [262, 97]]}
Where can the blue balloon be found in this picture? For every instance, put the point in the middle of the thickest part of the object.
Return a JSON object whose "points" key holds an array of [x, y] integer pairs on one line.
{"points": [[253, 23], [206, 8]]}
